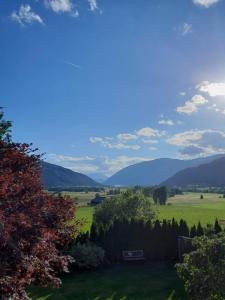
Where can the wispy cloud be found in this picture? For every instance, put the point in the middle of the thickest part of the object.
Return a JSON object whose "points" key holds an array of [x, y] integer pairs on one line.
{"points": [[66, 158], [115, 164], [186, 29], [126, 136], [62, 6], [166, 122], [132, 141], [26, 15], [72, 64], [118, 144], [150, 141], [214, 107], [205, 3], [149, 132], [192, 106], [93, 5]]}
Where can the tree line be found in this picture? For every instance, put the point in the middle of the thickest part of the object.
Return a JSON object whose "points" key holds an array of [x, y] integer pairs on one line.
{"points": [[159, 240]]}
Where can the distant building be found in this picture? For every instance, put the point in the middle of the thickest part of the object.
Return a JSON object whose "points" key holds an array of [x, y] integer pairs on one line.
{"points": [[97, 200]]}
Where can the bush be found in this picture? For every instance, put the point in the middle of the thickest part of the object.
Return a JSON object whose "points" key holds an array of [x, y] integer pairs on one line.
{"points": [[203, 269], [87, 256]]}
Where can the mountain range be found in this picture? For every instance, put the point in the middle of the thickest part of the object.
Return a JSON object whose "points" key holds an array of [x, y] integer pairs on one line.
{"points": [[154, 172], [56, 176], [209, 174], [207, 171]]}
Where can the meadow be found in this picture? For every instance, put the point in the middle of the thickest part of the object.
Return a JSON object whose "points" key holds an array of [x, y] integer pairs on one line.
{"points": [[188, 207], [142, 281]]}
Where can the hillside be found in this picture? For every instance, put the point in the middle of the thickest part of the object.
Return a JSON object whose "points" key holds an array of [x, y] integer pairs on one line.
{"points": [[155, 171], [210, 174], [56, 176]]}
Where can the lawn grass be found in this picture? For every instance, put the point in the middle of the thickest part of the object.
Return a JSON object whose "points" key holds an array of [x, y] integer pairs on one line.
{"points": [[85, 214], [188, 207], [142, 281], [82, 198], [193, 209]]}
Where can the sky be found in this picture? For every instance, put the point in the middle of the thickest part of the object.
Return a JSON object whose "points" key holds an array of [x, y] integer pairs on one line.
{"points": [[98, 85]]}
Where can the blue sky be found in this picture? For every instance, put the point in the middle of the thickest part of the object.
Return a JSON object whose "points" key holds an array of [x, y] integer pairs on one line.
{"points": [[99, 85]]}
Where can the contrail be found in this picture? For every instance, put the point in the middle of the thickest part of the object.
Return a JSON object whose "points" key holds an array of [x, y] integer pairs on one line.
{"points": [[72, 64]]}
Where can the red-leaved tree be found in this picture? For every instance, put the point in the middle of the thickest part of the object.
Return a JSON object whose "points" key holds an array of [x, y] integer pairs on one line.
{"points": [[34, 225]]}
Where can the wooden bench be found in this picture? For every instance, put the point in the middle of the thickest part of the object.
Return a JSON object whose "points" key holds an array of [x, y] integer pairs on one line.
{"points": [[131, 255]]}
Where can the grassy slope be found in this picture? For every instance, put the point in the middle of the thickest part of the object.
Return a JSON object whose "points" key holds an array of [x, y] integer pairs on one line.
{"points": [[122, 282], [188, 207]]}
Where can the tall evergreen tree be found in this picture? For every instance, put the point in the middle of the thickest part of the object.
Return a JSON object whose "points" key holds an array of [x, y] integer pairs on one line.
{"points": [[193, 231], [217, 227], [200, 230]]}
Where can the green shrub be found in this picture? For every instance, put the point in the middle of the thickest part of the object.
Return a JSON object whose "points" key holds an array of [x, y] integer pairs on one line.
{"points": [[203, 270], [87, 256]]}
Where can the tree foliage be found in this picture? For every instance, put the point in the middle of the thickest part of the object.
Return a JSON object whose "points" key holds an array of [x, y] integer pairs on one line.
{"points": [[203, 270], [130, 205], [34, 225], [160, 195], [87, 255]]}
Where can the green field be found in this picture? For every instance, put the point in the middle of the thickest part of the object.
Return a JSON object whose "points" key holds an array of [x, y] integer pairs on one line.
{"points": [[85, 214], [82, 198], [188, 206], [143, 281]]}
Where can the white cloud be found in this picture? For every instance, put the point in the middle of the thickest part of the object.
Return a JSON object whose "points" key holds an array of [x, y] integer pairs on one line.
{"points": [[72, 65], [130, 141], [126, 136], [212, 88], [199, 142], [205, 3], [26, 15], [166, 122], [186, 29], [192, 106], [85, 168], [120, 146], [152, 148], [65, 158], [182, 94], [95, 139], [113, 165], [62, 6], [185, 138], [107, 142], [149, 132], [149, 141], [83, 164], [93, 5]]}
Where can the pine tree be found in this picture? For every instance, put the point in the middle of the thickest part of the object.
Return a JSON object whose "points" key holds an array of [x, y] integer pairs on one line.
{"points": [[217, 227], [193, 231], [200, 230]]}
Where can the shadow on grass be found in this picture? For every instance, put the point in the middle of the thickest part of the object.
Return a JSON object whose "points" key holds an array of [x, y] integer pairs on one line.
{"points": [[122, 282]]}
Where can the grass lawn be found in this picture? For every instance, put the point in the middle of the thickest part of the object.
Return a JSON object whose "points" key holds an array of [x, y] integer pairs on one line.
{"points": [[188, 206], [82, 198], [85, 213], [193, 209], [143, 281]]}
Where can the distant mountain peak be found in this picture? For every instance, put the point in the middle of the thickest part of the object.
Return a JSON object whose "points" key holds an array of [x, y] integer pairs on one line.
{"points": [[211, 174], [57, 176]]}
